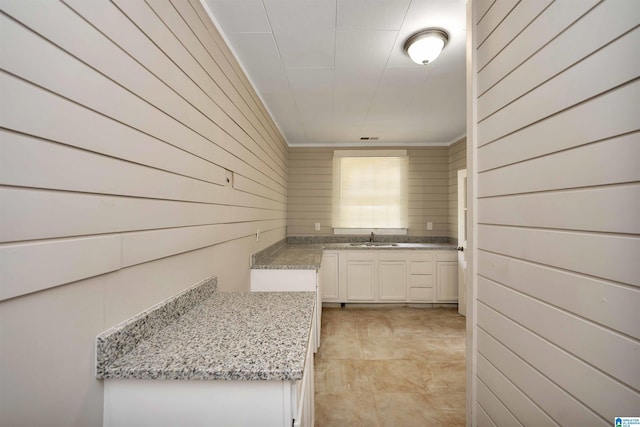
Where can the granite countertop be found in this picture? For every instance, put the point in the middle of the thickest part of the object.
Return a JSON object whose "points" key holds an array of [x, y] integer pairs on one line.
{"points": [[292, 256], [306, 253], [226, 336]]}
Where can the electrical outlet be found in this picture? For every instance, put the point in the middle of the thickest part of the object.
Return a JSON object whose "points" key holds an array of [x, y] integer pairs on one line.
{"points": [[317, 226], [429, 225], [257, 235]]}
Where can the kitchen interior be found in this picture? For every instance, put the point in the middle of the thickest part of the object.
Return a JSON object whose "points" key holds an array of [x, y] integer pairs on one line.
{"points": [[179, 243]]}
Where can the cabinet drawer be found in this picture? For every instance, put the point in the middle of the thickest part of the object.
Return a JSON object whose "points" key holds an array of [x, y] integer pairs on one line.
{"points": [[392, 256], [447, 256], [361, 255], [421, 267], [421, 294], [421, 256], [421, 280]]}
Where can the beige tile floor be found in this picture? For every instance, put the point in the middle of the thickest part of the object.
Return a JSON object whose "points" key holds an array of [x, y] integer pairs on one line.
{"points": [[390, 366]]}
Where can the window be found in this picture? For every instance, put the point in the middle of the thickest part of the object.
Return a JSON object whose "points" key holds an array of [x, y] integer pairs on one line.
{"points": [[370, 191]]}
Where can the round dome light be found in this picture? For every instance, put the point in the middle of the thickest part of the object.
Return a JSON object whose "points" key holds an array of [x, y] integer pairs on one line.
{"points": [[424, 46]]}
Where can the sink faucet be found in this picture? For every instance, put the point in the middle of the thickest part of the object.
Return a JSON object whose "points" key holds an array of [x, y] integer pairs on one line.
{"points": [[372, 237]]}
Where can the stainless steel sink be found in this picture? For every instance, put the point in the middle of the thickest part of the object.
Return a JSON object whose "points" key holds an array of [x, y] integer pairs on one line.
{"points": [[376, 244]]}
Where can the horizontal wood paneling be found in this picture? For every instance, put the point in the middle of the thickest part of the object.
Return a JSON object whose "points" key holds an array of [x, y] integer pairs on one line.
{"points": [[596, 74], [152, 124], [32, 267], [579, 379], [542, 391], [573, 334], [145, 246], [135, 160], [606, 256], [605, 303], [613, 208], [42, 214], [311, 180], [557, 282], [495, 409], [561, 53], [165, 116], [549, 172], [557, 132], [493, 17], [504, 34], [457, 161], [521, 406], [533, 37], [483, 7]]}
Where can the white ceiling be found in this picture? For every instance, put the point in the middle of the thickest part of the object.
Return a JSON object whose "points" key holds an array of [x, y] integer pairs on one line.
{"points": [[333, 71]]}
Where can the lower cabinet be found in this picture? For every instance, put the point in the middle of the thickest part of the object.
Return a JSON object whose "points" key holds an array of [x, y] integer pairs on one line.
{"points": [[447, 289], [420, 276], [328, 276], [360, 276], [392, 277], [129, 402]]}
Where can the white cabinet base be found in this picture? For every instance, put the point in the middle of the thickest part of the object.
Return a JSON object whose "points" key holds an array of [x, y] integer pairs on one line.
{"points": [[158, 403], [197, 403], [390, 276]]}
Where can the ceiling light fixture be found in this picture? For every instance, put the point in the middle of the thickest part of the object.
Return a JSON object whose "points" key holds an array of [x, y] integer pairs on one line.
{"points": [[424, 46]]}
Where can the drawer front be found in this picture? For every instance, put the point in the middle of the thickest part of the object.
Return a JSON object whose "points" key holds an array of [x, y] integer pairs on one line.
{"points": [[421, 267], [392, 255], [361, 255], [447, 256], [421, 256], [421, 280], [421, 294]]}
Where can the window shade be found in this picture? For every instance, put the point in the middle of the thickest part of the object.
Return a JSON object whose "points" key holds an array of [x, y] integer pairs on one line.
{"points": [[370, 192]]}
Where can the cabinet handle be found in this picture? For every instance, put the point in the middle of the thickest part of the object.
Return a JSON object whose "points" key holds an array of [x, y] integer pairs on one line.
{"points": [[461, 248]]}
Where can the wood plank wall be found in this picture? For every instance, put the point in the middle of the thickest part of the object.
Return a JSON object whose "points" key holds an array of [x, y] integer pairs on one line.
{"points": [[457, 161], [135, 160], [310, 189], [558, 208]]}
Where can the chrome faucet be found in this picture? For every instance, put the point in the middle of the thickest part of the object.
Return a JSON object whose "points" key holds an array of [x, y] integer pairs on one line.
{"points": [[372, 237]]}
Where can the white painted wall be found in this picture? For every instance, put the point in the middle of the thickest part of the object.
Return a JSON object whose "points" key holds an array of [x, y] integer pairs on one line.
{"points": [[554, 149], [120, 123]]}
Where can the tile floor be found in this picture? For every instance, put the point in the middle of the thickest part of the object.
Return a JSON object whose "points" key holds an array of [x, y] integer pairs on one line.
{"points": [[390, 366]]}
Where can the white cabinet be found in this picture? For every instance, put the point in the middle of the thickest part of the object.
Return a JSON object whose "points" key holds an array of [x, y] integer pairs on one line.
{"points": [[392, 276], [329, 278], [421, 274], [360, 275], [418, 276], [160, 403], [305, 389], [447, 277]]}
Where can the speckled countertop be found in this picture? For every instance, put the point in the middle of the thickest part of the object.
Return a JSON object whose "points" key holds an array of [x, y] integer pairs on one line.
{"points": [[226, 336], [306, 253]]}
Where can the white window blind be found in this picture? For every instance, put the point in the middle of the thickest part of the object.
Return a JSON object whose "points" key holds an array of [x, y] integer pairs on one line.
{"points": [[370, 189]]}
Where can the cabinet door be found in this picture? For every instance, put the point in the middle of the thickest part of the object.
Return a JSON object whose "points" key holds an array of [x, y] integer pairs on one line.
{"points": [[360, 280], [329, 277], [447, 279], [392, 280]]}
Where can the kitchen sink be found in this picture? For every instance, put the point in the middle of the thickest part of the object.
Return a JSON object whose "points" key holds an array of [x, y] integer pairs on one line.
{"points": [[377, 244]]}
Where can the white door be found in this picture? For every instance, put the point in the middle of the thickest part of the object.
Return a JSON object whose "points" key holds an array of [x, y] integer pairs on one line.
{"points": [[462, 241]]}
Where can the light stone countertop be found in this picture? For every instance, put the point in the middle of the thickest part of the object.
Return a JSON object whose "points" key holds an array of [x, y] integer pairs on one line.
{"points": [[226, 336], [307, 256]]}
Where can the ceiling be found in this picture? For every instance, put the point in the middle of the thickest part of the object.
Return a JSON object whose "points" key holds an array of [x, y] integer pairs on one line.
{"points": [[333, 71]]}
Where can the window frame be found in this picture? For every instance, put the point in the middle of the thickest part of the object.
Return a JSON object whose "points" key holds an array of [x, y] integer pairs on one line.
{"points": [[338, 155]]}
